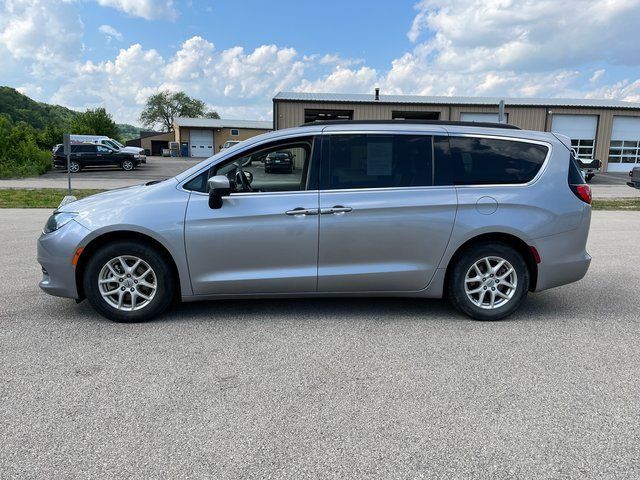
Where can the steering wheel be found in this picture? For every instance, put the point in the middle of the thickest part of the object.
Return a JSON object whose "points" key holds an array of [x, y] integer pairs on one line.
{"points": [[244, 178]]}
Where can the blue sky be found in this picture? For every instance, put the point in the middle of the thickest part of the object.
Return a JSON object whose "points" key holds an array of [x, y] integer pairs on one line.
{"points": [[236, 55], [375, 31]]}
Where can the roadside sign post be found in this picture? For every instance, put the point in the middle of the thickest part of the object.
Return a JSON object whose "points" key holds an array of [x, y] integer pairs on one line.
{"points": [[66, 145]]}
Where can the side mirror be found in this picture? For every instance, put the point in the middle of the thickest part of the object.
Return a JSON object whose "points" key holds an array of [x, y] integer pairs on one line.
{"points": [[219, 186]]}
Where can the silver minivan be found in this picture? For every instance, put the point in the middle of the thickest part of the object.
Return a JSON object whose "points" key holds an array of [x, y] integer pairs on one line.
{"points": [[478, 213]]}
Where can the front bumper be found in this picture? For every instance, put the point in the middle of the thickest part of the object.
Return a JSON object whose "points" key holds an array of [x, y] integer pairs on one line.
{"points": [[55, 253], [278, 166], [634, 184]]}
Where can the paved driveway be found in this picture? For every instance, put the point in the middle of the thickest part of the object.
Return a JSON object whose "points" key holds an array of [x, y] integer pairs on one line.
{"points": [[383, 388]]}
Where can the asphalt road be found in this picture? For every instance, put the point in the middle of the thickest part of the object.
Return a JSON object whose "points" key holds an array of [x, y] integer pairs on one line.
{"points": [[382, 388]]}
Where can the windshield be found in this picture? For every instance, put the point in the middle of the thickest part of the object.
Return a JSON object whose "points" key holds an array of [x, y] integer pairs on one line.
{"points": [[117, 144], [112, 144]]}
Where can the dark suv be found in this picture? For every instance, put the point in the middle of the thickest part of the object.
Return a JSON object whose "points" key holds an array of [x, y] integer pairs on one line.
{"points": [[279, 161], [92, 155]]}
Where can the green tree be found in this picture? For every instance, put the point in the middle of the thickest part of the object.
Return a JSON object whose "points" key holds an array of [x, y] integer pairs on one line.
{"points": [[163, 107], [95, 122], [19, 152], [51, 135]]}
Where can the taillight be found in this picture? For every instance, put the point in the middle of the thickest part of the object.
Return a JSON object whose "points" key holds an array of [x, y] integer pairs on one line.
{"points": [[583, 192]]}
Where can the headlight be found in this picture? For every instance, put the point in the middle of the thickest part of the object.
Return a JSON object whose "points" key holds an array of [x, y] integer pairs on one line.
{"points": [[136, 155], [57, 220]]}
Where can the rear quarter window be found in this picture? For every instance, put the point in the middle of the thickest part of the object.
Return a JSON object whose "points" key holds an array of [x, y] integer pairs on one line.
{"points": [[488, 161]]}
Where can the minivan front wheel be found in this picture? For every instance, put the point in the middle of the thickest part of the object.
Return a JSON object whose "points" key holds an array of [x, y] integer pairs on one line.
{"points": [[128, 282], [489, 281]]}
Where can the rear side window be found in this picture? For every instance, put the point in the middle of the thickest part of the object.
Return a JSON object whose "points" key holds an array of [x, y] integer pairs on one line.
{"points": [[377, 161], [575, 174], [488, 161], [85, 148]]}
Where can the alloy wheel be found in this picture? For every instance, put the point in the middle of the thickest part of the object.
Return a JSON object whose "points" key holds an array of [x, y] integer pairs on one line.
{"points": [[490, 282], [127, 283]]}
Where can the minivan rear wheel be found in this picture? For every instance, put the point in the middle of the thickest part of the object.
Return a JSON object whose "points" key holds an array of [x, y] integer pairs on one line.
{"points": [[128, 282], [488, 281]]}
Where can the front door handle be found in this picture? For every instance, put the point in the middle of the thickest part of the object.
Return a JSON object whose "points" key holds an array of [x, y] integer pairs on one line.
{"points": [[302, 211], [336, 209]]}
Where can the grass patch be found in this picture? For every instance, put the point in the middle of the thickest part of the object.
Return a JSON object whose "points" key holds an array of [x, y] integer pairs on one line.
{"points": [[616, 204], [38, 198]]}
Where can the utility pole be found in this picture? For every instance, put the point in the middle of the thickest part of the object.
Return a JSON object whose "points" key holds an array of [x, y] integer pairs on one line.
{"points": [[66, 145]]}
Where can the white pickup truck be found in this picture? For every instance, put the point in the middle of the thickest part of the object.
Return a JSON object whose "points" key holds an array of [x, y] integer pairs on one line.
{"points": [[589, 169]]}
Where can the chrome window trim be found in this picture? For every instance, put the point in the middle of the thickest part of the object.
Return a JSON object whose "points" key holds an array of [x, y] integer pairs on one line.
{"points": [[543, 168], [541, 171]]}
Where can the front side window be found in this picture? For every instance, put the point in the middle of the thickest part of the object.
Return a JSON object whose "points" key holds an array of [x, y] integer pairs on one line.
{"points": [[102, 149], [488, 161], [278, 167], [377, 161]]}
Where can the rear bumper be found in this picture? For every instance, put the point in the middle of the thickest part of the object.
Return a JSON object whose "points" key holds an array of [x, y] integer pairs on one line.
{"points": [[55, 253], [278, 166], [564, 258]]}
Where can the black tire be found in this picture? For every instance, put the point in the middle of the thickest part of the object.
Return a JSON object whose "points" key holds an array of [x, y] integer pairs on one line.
{"points": [[127, 165], [589, 177], [165, 289], [75, 166], [465, 261]]}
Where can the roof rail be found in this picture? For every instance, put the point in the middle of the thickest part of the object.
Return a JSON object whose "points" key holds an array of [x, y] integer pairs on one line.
{"points": [[415, 122]]}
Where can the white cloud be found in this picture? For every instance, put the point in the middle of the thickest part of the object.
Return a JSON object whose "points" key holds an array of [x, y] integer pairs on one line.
{"points": [[461, 47], [110, 32], [232, 81], [42, 32], [148, 9], [597, 75], [477, 35], [342, 80]]}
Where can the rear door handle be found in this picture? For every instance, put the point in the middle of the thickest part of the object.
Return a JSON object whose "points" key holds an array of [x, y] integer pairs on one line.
{"points": [[337, 209], [302, 211]]}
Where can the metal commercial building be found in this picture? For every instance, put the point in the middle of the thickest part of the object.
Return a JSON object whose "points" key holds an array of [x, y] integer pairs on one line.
{"points": [[203, 137], [608, 130], [152, 142]]}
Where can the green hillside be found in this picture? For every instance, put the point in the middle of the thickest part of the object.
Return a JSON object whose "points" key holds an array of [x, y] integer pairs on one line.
{"points": [[128, 132], [20, 108]]}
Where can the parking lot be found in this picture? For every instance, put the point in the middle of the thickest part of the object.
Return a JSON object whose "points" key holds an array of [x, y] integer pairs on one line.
{"points": [[333, 388]]}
